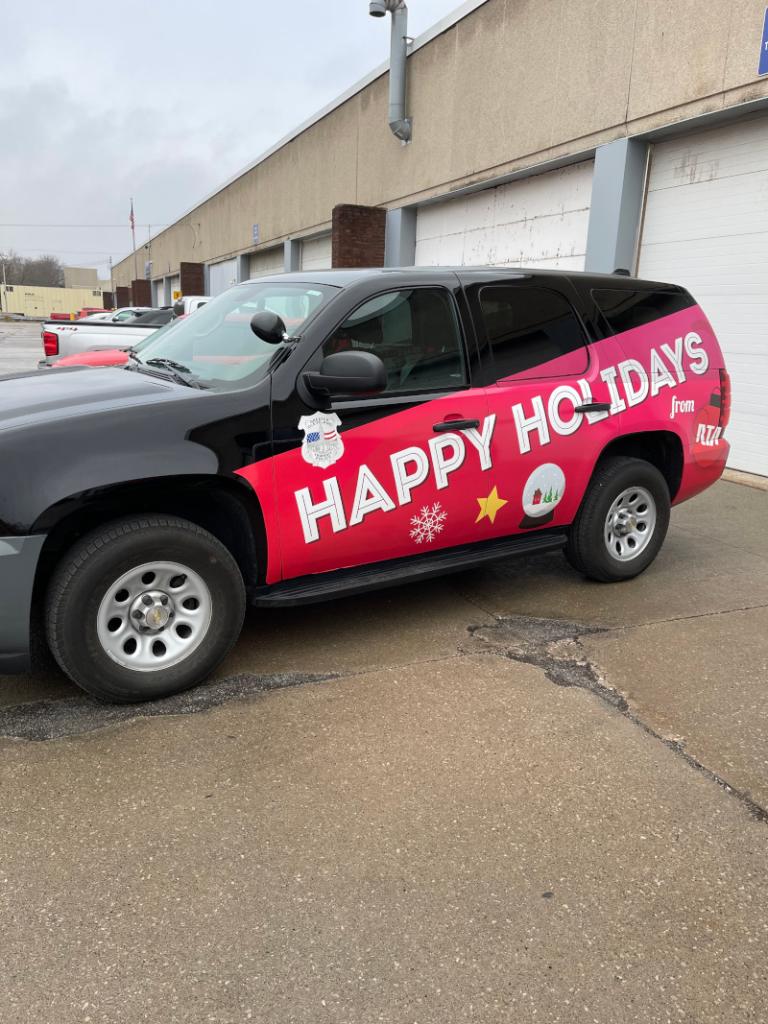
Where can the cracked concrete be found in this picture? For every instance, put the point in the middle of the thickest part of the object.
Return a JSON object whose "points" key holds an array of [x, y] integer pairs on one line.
{"points": [[508, 795]]}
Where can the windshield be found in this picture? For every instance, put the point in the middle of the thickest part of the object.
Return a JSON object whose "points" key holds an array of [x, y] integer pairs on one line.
{"points": [[216, 343]]}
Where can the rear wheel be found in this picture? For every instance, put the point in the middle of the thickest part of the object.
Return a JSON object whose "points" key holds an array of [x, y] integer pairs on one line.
{"points": [[144, 608], [622, 521]]}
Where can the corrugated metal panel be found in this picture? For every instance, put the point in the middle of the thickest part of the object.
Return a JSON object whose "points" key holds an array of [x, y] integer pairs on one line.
{"points": [[222, 276], [706, 227], [316, 253], [271, 261], [536, 222]]}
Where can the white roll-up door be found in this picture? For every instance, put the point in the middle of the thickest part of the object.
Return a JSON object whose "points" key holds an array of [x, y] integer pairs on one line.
{"points": [[222, 276], [535, 222], [316, 253], [706, 228], [175, 287], [270, 261], [158, 292]]}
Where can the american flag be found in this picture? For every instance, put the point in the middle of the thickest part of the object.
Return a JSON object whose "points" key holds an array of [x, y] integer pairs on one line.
{"points": [[313, 435], [132, 219], [328, 435]]}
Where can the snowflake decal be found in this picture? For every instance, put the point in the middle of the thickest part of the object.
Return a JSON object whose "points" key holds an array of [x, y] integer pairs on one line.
{"points": [[428, 523]]}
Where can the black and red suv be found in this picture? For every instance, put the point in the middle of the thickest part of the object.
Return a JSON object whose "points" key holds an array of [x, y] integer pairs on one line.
{"points": [[310, 435]]}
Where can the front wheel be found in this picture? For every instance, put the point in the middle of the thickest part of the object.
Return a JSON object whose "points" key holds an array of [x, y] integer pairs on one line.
{"points": [[144, 608], [622, 521]]}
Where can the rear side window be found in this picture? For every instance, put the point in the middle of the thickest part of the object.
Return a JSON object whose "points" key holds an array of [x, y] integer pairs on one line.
{"points": [[416, 335], [625, 308], [532, 332]]}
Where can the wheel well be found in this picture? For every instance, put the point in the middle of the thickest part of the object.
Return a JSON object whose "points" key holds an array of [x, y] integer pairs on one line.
{"points": [[661, 448], [225, 509]]}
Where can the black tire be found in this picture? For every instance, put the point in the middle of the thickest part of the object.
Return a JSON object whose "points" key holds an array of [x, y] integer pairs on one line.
{"points": [[82, 582], [587, 549]]}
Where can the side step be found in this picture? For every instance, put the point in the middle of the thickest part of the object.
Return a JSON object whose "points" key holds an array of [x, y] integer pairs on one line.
{"points": [[346, 582]]}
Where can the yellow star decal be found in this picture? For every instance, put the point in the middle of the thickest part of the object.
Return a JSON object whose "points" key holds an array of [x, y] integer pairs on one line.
{"points": [[490, 506]]}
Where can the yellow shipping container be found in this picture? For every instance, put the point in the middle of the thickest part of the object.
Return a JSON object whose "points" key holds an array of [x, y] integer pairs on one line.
{"points": [[41, 302]]}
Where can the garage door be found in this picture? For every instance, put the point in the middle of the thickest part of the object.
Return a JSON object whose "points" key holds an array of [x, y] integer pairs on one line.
{"points": [[158, 292], [536, 222], [271, 261], [221, 276], [316, 253], [175, 287], [706, 227]]}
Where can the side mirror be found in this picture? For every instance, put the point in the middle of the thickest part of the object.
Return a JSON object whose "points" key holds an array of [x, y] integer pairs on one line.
{"points": [[268, 326], [178, 307], [348, 373]]}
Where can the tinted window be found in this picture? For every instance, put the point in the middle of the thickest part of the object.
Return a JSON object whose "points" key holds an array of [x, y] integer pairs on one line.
{"points": [[416, 335], [625, 308], [527, 327]]}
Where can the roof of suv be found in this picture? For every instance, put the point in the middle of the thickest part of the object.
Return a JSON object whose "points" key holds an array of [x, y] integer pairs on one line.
{"points": [[344, 277]]}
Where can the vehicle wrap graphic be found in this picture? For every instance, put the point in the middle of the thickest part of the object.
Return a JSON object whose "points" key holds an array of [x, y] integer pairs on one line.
{"points": [[397, 475]]}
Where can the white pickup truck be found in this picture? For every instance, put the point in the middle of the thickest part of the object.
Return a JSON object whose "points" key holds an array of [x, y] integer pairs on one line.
{"points": [[68, 337]]}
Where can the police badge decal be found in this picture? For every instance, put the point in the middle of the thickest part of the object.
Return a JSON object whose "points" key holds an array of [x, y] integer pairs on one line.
{"points": [[322, 444]]}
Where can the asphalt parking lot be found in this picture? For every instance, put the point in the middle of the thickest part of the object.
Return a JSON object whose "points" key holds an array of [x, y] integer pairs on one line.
{"points": [[20, 345], [507, 795]]}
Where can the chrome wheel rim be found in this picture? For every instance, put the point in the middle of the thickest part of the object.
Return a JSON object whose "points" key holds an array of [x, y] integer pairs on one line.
{"points": [[630, 524], [154, 616]]}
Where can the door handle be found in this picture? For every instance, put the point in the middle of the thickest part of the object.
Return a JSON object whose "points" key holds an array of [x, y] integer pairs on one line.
{"points": [[445, 425], [594, 407]]}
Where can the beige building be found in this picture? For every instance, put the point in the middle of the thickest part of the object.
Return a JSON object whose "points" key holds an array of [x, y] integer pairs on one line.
{"points": [[81, 277], [595, 134]]}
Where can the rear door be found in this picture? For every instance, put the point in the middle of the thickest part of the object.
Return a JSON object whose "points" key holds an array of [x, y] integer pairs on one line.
{"points": [[395, 474], [541, 371]]}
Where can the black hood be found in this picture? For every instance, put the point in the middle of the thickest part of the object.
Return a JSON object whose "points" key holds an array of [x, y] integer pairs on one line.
{"points": [[50, 395]]}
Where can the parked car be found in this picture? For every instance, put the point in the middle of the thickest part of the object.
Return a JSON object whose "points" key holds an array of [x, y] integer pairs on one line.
{"points": [[410, 423], [88, 310], [64, 339]]}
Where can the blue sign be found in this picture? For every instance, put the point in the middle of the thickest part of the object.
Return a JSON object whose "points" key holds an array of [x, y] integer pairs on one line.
{"points": [[763, 66], [257, 233]]}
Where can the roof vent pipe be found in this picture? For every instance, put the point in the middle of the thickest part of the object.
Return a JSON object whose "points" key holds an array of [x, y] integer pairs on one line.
{"points": [[399, 124]]}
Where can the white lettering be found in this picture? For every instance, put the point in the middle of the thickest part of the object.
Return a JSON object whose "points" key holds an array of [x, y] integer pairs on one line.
{"points": [[697, 355], [442, 464], [404, 481], [369, 496], [635, 395], [482, 441], [537, 422], [586, 397], [562, 426], [660, 375], [676, 358], [310, 513], [609, 376]]}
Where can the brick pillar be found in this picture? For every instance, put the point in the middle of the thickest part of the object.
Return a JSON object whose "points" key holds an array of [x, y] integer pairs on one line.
{"points": [[357, 236], [142, 292], [107, 300], [122, 295], [192, 278]]}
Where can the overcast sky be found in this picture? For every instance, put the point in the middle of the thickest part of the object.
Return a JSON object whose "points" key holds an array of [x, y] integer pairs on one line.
{"points": [[160, 101]]}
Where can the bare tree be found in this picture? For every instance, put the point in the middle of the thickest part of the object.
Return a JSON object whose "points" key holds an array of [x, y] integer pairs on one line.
{"points": [[43, 271]]}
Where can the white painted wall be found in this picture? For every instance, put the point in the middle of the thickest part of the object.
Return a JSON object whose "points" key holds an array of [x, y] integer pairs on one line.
{"points": [[222, 276], [535, 222], [271, 261], [316, 253], [706, 227]]}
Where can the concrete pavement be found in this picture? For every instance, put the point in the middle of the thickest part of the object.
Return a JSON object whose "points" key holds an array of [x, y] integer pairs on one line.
{"points": [[20, 345], [509, 795]]}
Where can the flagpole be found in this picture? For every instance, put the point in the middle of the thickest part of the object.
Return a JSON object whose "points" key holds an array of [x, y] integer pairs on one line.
{"points": [[133, 236]]}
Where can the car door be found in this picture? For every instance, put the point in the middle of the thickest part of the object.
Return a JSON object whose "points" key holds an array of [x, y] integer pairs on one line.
{"points": [[554, 410], [392, 474]]}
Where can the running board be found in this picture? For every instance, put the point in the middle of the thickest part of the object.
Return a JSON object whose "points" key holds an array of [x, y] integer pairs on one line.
{"points": [[347, 582]]}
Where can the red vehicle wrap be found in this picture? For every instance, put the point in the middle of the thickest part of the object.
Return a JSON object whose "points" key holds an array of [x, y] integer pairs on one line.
{"points": [[393, 487]]}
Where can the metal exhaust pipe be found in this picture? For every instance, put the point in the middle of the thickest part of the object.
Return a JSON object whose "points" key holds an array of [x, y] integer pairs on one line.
{"points": [[399, 124]]}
